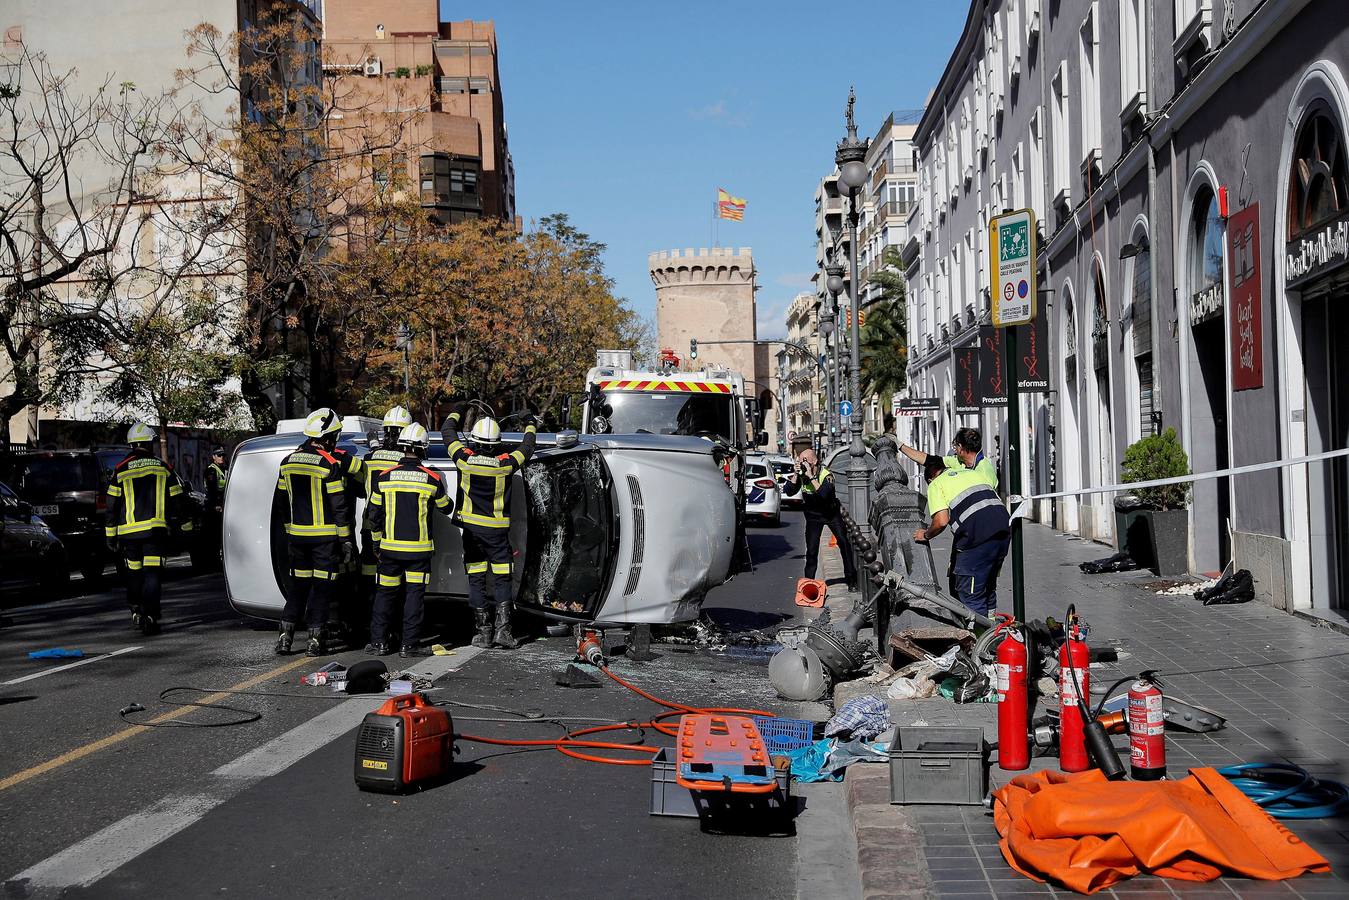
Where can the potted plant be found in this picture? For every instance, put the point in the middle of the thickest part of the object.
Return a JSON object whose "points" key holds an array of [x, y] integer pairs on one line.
{"points": [[1163, 508], [423, 71], [402, 72]]}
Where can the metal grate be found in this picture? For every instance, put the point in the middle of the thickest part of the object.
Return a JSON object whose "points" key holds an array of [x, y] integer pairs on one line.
{"points": [[638, 535], [375, 742]]}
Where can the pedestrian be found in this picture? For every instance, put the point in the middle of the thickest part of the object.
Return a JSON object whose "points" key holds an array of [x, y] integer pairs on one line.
{"points": [[399, 510], [217, 479], [967, 449], [313, 489], [963, 500], [819, 500], [383, 455], [145, 504], [485, 483]]}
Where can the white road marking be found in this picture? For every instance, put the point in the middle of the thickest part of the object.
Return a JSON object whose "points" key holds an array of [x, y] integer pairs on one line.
{"points": [[85, 862], [54, 669]]}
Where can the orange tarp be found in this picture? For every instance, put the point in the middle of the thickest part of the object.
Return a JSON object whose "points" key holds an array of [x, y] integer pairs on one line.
{"points": [[1088, 833]]}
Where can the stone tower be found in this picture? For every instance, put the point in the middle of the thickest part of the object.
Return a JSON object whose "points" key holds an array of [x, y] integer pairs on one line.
{"points": [[708, 294]]}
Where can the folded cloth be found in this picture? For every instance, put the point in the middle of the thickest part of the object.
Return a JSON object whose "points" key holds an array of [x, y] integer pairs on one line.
{"points": [[1087, 833], [860, 718]]}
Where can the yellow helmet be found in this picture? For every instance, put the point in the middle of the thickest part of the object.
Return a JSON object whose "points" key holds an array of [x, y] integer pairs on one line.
{"points": [[413, 435], [486, 431], [398, 417], [140, 433], [321, 422]]}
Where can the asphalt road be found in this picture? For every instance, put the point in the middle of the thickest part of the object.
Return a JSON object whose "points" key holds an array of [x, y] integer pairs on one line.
{"points": [[93, 807]]}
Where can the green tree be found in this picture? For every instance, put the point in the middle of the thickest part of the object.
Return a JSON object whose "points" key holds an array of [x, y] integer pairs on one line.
{"points": [[885, 339]]}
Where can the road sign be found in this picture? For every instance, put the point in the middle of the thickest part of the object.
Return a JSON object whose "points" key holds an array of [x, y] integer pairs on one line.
{"points": [[791, 435], [1011, 237], [845, 408]]}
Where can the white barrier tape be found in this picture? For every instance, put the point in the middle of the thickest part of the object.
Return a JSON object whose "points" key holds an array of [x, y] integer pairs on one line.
{"points": [[1021, 505]]}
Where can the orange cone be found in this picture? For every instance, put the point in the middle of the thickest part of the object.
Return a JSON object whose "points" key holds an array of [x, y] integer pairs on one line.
{"points": [[833, 542], [811, 592]]}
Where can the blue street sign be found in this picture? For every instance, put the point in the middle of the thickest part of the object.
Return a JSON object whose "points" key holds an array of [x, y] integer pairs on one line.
{"points": [[845, 408]]}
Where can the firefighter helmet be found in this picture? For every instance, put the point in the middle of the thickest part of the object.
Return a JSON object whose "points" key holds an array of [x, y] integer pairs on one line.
{"points": [[398, 417], [140, 433], [486, 431], [322, 422], [413, 436]]}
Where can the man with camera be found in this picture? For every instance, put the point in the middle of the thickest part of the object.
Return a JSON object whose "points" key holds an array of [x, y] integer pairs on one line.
{"points": [[815, 484]]}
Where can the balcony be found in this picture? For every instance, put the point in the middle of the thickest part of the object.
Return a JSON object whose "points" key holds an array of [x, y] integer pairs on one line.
{"points": [[894, 208]]}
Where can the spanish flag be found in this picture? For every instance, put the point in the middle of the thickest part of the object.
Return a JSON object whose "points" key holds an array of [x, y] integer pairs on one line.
{"points": [[729, 207]]}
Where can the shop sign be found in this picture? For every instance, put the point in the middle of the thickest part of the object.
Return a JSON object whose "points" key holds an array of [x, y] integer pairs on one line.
{"points": [[966, 362], [1243, 261], [917, 406], [1317, 252], [992, 371], [1032, 346], [1206, 304]]}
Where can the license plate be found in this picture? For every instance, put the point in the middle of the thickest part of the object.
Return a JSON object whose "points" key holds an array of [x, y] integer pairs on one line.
{"points": [[47, 510]]}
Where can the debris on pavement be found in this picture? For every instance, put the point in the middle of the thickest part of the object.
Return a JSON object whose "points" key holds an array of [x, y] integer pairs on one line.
{"points": [[862, 718], [1232, 587], [1120, 562], [56, 653], [1178, 588], [576, 675]]}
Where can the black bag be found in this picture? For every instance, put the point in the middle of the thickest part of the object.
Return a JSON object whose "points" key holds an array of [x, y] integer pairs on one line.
{"points": [[1233, 587]]}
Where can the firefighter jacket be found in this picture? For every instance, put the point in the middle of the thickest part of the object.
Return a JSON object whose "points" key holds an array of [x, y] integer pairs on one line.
{"points": [[485, 481], [375, 462], [353, 474], [313, 485], [399, 508], [216, 481], [144, 498]]}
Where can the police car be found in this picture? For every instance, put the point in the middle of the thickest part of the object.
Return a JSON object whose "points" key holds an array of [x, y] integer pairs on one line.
{"points": [[601, 526], [763, 496]]}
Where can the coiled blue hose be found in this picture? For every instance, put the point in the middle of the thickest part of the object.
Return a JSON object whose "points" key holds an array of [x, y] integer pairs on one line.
{"points": [[1286, 791]]}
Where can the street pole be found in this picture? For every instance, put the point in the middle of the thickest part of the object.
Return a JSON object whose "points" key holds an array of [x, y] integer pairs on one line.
{"points": [[1013, 462], [782, 400], [852, 175]]}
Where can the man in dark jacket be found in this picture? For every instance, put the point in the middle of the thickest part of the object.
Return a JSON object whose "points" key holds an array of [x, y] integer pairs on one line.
{"points": [[815, 484]]}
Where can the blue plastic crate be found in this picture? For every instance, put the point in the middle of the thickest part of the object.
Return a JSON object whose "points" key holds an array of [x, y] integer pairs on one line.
{"points": [[781, 735]]}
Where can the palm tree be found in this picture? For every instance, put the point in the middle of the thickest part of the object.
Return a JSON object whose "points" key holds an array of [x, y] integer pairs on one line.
{"points": [[885, 340]]}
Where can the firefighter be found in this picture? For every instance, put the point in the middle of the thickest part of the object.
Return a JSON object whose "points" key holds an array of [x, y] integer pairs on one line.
{"points": [[318, 527], [963, 500], [484, 512], [399, 512], [819, 499], [145, 501], [217, 478], [344, 614], [382, 456]]}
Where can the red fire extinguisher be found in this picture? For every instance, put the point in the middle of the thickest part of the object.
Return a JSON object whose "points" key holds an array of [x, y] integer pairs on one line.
{"points": [[1074, 689], [1147, 729], [1013, 736]]}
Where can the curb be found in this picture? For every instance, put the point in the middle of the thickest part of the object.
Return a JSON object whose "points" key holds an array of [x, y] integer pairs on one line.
{"points": [[889, 849]]}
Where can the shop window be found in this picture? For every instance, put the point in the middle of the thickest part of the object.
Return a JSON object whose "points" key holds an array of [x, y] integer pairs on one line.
{"points": [[1317, 194], [1207, 239]]}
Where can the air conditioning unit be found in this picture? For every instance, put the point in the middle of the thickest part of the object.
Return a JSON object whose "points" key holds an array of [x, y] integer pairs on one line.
{"points": [[373, 67]]}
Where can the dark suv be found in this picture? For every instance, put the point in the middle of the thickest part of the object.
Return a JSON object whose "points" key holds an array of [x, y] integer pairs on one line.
{"points": [[68, 489]]}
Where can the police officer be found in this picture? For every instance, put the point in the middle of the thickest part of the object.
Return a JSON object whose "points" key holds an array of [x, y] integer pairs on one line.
{"points": [[967, 449], [399, 512], [484, 512], [819, 499], [318, 527], [217, 478], [963, 500], [145, 501]]}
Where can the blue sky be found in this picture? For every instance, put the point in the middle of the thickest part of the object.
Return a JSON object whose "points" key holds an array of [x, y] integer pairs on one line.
{"points": [[629, 115]]}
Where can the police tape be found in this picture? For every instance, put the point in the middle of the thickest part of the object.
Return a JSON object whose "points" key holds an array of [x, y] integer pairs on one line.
{"points": [[1021, 505]]}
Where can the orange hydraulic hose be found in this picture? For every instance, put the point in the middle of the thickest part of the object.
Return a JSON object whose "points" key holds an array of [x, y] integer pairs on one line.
{"points": [[568, 743]]}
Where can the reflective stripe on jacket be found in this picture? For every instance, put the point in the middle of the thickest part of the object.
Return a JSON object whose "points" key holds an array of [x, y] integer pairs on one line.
{"points": [[142, 496], [400, 504], [485, 481], [312, 481]]}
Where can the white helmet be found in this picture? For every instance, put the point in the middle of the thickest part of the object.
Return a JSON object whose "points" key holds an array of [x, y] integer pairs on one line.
{"points": [[398, 417], [486, 431], [413, 435], [321, 422], [140, 433]]}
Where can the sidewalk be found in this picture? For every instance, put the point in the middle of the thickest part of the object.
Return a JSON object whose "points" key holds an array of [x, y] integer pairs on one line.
{"points": [[1280, 680]]}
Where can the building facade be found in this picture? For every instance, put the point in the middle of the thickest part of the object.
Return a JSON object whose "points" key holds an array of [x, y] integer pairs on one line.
{"points": [[805, 391], [1185, 162]]}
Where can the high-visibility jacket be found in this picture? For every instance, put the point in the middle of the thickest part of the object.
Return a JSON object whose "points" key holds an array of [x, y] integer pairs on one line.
{"points": [[819, 498], [976, 511], [485, 481], [144, 498], [353, 474], [314, 488], [399, 508], [217, 479], [982, 465], [375, 462]]}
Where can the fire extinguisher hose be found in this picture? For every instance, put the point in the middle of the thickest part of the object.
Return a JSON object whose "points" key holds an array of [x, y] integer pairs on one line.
{"points": [[1287, 791]]}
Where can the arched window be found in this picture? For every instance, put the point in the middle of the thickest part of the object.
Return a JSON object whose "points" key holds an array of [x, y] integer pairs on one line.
{"points": [[1141, 316], [1317, 194], [1100, 323], [1207, 236], [1069, 341]]}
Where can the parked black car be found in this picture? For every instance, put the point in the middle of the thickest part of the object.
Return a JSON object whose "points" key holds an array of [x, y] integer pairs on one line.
{"points": [[68, 489], [31, 555]]}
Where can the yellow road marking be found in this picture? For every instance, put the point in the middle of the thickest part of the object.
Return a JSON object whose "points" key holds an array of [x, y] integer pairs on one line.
{"points": [[119, 736]]}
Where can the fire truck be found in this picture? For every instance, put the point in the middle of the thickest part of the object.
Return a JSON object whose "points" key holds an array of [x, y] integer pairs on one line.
{"points": [[709, 403]]}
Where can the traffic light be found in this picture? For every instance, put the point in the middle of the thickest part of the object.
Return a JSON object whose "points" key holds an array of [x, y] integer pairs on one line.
{"points": [[693, 348]]}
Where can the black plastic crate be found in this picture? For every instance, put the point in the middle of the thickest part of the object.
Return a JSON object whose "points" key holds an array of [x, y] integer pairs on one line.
{"points": [[670, 798]]}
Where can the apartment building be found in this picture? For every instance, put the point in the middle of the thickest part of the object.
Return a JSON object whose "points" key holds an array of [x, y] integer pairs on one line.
{"points": [[456, 150], [1184, 160], [805, 390]]}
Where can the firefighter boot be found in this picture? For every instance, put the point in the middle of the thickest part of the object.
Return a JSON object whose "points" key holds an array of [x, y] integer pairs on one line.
{"points": [[482, 618], [286, 638], [318, 642], [503, 637]]}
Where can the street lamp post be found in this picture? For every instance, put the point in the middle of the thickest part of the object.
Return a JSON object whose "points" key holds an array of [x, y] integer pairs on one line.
{"points": [[404, 343], [827, 324], [782, 399], [852, 175]]}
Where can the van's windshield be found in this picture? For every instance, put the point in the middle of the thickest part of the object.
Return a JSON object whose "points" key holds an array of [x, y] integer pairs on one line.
{"points": [[570, 545], [675, 412]]}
